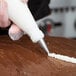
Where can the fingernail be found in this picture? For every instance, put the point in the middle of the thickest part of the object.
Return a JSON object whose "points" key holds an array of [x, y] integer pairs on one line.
{"points": [[16, 36]]}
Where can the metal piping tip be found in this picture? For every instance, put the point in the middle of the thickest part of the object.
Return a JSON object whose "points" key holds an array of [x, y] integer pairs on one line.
{"points": [[43, 45]]}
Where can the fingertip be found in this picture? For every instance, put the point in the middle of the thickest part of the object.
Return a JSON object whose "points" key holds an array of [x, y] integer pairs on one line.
{"points": [[15, 33], [14, 28]]}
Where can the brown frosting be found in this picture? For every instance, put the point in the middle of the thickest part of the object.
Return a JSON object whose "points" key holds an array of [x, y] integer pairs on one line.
{"points": [[24, 58]]}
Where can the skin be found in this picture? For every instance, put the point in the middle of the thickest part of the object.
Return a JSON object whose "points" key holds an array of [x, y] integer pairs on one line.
{"points": [[5, 22]]}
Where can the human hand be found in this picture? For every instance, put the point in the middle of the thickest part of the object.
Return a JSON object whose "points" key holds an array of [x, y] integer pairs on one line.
{"points": [[14, 31]]}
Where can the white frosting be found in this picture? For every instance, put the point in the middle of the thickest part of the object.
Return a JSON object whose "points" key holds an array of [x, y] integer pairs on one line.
{"points": [[62, 57]]}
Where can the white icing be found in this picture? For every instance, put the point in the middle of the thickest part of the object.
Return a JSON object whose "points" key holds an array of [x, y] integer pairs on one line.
{"points": [[62, 57]]}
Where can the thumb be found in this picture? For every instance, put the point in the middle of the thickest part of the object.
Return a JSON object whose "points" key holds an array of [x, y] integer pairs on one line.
{"points": [[15, 33]]}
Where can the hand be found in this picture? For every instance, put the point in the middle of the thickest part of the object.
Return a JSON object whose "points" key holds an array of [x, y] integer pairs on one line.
{"points": [[14, 31]]}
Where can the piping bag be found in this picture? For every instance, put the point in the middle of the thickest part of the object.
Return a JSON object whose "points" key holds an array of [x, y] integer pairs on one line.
{"points": [[20, 14]]}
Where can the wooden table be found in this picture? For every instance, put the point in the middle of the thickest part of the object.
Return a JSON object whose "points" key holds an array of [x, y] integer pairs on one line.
{"points": [[24, 58]]}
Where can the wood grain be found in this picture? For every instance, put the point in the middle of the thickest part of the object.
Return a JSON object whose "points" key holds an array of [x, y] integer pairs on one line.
{"points": [[24, 58]]}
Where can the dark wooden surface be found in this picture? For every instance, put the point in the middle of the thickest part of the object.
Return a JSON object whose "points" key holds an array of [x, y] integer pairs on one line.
{"points": [[24, 58]]}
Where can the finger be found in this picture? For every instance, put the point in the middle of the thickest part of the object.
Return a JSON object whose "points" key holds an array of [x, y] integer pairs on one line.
{"points": [[15, 33], [3, 25], [3, 14]]}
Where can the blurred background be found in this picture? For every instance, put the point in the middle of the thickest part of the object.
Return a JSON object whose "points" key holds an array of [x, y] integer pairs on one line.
{"points": [[62, 20], [59, 22]]}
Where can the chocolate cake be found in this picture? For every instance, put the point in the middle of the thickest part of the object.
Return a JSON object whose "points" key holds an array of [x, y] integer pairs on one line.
{"points": [[24, 58]]}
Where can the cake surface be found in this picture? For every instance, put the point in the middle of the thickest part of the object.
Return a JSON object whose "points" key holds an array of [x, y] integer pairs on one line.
{"points": [[24, 58]]}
